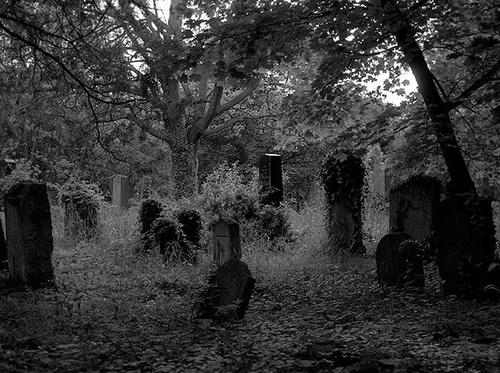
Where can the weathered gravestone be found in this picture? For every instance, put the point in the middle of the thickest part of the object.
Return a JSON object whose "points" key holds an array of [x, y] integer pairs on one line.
{"points": [[226, 241], [342, 175], [398, 262], [271, 180], [120, 191], [465, 240], [29, 234], [228, 292], [3, 248], [411, 206]]}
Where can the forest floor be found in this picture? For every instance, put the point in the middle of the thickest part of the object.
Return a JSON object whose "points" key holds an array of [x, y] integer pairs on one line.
{"points": [[113, 312]]}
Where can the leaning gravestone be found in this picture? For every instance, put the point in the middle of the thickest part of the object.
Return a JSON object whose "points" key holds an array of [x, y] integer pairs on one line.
{"points": [[398, 262], [3, 248], [29, 234], [271, 180], [120, 190], [226, 241], [465, 240], [228, 292], [342, 175], [411, 206]]}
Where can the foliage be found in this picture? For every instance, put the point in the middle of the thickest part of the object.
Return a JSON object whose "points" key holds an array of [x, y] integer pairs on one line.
{"points": [[228, 192], [81, 201], [273, 223], [171, 241], [342, 175], [191, 224], [150, 211], [114, 311]]}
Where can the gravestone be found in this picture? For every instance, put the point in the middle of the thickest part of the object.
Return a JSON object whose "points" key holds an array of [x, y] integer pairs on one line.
{"points": [[411, 206], [228, 292], [3, 248], [465, 240], [271, 180], [29, 234], [342, 176], [398, 263], [120, 189], [226, 241]]}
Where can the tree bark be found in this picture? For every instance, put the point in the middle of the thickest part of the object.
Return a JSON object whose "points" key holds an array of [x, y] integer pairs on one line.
{"points": [[437, 109]]}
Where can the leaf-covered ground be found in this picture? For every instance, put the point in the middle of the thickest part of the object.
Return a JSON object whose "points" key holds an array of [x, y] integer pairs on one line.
{"points": [[111, 314]]}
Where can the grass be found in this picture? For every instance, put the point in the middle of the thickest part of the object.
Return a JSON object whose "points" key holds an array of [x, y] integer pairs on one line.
{"points": [[116, 310]]}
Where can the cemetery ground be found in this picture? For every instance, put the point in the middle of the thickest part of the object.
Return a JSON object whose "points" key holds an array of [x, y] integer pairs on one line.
{"points": [[311, 311]]}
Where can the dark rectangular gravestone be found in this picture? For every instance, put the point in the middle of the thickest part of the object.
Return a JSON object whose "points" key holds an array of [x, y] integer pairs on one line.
{"points": [[226, 241], [411, 206], [29, 234], [3, 248], [271, 179], [465, 239], [227, 293], [120, 189]]}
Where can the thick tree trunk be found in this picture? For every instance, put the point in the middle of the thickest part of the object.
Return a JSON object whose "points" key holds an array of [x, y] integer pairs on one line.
{"points": [[184, 169], [437, 109]]}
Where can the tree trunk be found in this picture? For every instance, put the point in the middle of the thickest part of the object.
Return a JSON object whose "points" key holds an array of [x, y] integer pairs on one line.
{"points": [[184, 168], [437, 109]]}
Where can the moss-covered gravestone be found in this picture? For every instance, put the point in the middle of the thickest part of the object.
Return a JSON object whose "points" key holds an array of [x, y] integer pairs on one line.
{"points": [[3, 248], [29, 234], [465, 239], [226, 241], [411, 206], [342, 175]]}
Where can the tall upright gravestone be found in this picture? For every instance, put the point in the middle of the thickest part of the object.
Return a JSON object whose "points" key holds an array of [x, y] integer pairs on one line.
{"points": [[271, 179], [29, 234], [120, 190], [226, 241], [342, 175], [465, 239], [3, 248], [411, 206]]}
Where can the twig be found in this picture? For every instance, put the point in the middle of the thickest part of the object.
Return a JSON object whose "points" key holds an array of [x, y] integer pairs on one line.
{"points": [[118, 348]]}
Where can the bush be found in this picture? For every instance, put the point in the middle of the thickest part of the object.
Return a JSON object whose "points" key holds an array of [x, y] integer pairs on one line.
{"points": [[81, 201], [191, 224], [150, 211], [273, 223], [171, 241], [228, 193]]}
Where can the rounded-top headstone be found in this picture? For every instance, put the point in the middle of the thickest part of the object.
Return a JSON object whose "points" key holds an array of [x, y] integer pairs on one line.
{"points": [[390, 263]]}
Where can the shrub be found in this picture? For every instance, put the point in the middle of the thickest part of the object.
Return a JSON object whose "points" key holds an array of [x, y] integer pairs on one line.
{"points": [[171, 241], [81, 209], [273, 223], [191, 225], [150, 211], [227, 192]]}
